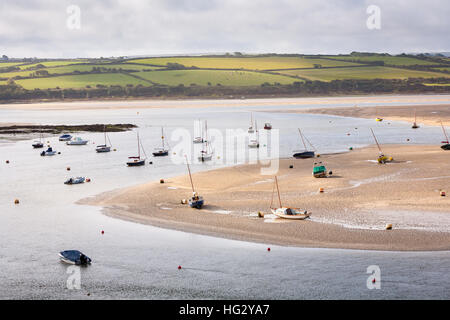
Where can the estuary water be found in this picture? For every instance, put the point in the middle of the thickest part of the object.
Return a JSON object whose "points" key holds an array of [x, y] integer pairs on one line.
{"points": [[134, 261]]}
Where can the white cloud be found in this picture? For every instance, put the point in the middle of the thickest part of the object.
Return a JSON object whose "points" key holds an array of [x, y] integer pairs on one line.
{"points": [[138, 27]]}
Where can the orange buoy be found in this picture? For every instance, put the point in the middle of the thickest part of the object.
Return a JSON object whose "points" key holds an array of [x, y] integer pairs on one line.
{"points": [[389, 226], [161, 181], [442, 193], [16, 201], [321, 190], [88, 180]]}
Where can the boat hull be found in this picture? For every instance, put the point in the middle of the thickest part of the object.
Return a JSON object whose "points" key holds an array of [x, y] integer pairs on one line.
{"points": [[205, 158], [102, 149], [291, 217], [161, 154], [198, 204], [136, 163], [38, 145], [446, 146], [73, 257], [304, 155]]}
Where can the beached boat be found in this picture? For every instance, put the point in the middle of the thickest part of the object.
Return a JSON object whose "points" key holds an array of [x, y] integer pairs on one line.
{"points": [[74, 257], [446, 142], [382, 159], [267, 126], [48, 152], [319, 170], [137, 161], [76, 180], [251, 129], [161, 151], [303, 154], [206, 153], [65, 137], [287, 212], [379, 119], [254, 142], [195, 201], [77, 141], [199, 138], [415, 126], [102, 148]]}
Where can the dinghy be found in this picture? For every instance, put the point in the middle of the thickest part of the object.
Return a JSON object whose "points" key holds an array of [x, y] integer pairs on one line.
{"points": [[48, 152], [298, 154], [319, 170], [65, 137], [74, 257], [287, 212], [77, 141], [76, 180], [382, 159]]}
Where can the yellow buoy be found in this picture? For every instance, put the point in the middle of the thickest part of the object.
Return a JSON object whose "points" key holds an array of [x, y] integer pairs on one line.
{"points": [[389, 226], [260, 214]]}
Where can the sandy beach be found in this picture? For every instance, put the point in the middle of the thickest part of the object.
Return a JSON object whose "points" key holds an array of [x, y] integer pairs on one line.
{"points": [[233, 101], [360, 198], [426, 114]]}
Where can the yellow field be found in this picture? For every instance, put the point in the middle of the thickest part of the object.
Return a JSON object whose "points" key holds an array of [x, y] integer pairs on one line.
{"points": [[362, 73], [250, 63], [391, 60]]}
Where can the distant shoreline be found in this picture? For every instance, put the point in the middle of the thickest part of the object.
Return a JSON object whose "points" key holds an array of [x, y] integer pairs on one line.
{"points": [[360, 198]]}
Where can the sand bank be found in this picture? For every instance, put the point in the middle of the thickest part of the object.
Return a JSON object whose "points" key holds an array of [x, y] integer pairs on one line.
{"points": [[360, 198], [203, 103], [426, 114]]}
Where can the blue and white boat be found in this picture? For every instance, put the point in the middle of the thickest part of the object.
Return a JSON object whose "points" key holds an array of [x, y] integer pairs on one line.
{"points": [[74, 257], [102, 148], [77, 141], [65, 137], [76, 180], [195, 201], [48, 152], [303, 154]]}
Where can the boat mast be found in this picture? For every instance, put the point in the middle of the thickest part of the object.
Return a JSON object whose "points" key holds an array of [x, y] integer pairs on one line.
{"points": [[301, 136], [278, 191], [139, 146], [189, 170], [104, 129], [376, 141], [445, 133], [162, 136]]}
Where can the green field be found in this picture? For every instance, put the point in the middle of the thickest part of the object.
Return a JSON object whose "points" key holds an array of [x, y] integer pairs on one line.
{"points": [[442, 69], [9, 64], [437, 84], [80, 81], [213, 77], [249, 63], [362, 73]]}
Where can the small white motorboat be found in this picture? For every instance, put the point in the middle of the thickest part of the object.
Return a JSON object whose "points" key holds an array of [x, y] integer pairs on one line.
{"points": [[77, 141], [290, 213], [65, 137]]}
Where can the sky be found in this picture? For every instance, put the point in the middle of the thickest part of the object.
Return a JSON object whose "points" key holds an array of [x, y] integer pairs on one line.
{"points": [[106, 28]]}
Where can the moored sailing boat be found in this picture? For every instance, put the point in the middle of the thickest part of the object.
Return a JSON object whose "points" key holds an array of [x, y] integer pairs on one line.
{"points": [[104, 147], [254, 142], [287, 212], [38, 143], [137, 160], [206, 152], [199, 138], [161, 151], [299, 154], [415, 126], [381, 157], [250, 129]]}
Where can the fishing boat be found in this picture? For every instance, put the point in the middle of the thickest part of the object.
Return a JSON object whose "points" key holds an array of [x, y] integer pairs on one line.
{"points": [[267, 126], [74, 257], [251, 129], [48, 152], [304, 154], [76, 180], [104, 147], [77, 141], [206, 152], [254, 142], [137, 160], [287, 212], [199, 139], [38, 143], [65, 137], [446, 143], [382, 159], [161, 151], [195, 201], [319, 170], [415, 126]]}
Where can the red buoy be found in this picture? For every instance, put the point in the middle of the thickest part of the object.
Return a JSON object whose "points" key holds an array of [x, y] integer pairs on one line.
{"points": [[179, 267], [373, 281], [268, 249], [103, 232]]}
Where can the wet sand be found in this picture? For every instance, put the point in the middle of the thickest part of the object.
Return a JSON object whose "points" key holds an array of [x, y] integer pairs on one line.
{"points": [[426, 114], [360, 198]]}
